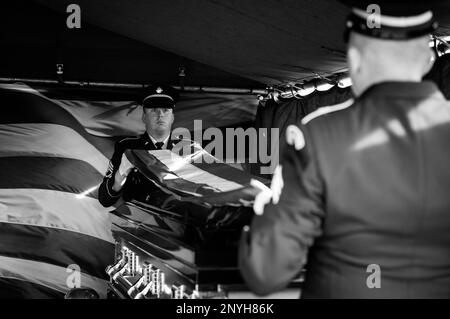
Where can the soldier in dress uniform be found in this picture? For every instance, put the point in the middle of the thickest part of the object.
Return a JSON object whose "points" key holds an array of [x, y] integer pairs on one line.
{"points": [[158, 102], [361, 195]]}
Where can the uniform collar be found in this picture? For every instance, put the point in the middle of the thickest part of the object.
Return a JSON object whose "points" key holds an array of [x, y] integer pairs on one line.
{"points": [[154, 141], [149, 139], [415, 90]]}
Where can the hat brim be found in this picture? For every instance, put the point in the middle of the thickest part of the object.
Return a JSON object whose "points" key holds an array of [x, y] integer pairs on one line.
{"points": [[158, 102]]}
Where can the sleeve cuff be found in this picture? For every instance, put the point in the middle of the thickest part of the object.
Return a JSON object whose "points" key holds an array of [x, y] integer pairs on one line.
{"points": [[109, 189]]}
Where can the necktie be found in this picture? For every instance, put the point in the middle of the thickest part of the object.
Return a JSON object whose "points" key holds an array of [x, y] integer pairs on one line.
{"points": [[159, 145]]}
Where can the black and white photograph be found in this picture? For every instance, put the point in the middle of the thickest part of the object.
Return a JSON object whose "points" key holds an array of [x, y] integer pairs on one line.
{"points": [[241, 150]]}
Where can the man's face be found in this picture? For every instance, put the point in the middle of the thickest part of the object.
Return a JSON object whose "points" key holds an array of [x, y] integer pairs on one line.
{"points": [[158, 120]]}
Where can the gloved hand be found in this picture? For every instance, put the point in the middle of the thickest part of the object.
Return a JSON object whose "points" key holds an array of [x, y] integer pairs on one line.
{"points": [[120, 179]]}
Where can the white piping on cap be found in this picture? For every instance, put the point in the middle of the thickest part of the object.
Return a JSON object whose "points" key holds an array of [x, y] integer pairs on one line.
{"points": [[397, 22], [158, 95]]}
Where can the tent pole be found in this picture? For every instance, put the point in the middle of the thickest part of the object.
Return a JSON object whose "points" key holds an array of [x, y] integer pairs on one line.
{"points": [[133, 86]]}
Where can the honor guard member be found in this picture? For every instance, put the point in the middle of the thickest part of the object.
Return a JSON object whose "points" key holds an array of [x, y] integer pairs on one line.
{"points": [[158, 102], [361, 197]]}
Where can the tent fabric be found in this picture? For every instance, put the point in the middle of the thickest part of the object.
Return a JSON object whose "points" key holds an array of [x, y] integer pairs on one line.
{"points": [[269, 41], [35, 38], [224, 43]]}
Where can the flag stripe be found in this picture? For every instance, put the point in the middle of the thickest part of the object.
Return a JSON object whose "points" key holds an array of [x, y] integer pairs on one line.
{"points": [[43, 139], [55, 173], [187, 171], [224, 171], [168, 181], [56, 247], [194, 154], [51, 276], [48, 219], [57, 210], [31, 107]]}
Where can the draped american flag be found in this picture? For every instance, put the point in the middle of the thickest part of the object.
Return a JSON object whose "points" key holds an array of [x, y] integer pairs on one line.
{"points": [[47, 220]]}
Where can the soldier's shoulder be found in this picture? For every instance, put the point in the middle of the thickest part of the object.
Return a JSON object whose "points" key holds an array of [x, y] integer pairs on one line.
{"points": [[329, 124]]}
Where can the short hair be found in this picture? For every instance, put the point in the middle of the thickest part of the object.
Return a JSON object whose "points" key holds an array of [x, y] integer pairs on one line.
{"points": [[403, 53]]}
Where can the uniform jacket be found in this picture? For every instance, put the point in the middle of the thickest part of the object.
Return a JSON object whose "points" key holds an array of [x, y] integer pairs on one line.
{"points": [[106, 195], [365, 201]]}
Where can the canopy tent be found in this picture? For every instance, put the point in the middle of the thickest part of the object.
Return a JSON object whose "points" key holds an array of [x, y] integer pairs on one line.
{"points": [[219, 43], [36, 38]]}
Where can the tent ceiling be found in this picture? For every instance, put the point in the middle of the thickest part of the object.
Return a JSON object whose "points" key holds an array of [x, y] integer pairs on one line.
{"points": [[34, 38], [270, 42]]}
